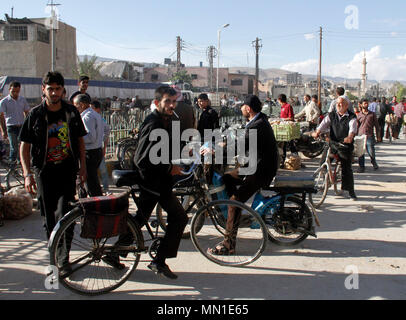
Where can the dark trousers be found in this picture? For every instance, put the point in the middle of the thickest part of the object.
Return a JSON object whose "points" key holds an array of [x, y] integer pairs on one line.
{"points": [[247, 188], [177, 220], [292, 147], [93, 159], [13, 133], [347, 175], [56, 188], [381, 122]]}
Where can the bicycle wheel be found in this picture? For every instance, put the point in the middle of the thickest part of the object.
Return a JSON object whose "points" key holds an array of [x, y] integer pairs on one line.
{"points": [[337, 178], [321, 185], [189, 204], [14, 177], [91, 274], [289, 226], [208, 230], [126, 157]]}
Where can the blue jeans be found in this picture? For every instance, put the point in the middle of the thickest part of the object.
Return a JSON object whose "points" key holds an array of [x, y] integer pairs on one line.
{"points": [[104, 175], [371, 153], [13, 132]]}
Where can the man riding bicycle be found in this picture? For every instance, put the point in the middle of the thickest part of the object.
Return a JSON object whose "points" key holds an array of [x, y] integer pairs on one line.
{"points": [[342, 124], [241, 188]]}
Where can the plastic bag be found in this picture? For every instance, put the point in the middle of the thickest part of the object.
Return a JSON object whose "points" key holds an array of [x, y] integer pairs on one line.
{"points": [[16, 204], [293, 163]]}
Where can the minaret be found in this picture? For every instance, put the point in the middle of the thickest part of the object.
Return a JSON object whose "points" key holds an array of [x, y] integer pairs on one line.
{"points": [[364, 76]]}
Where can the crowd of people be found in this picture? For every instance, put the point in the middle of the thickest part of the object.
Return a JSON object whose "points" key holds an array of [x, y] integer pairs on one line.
{"points": [[62, 140]]}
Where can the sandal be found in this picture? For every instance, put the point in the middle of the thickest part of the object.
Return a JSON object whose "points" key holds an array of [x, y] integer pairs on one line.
{"points": [[221, 250]]}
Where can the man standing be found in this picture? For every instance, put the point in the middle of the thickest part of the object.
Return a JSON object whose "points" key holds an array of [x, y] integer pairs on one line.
{"points": [[399, 111], [340, 92], [94, 139], [311, 112], [373, 105], [156, 180], [209, 118], [83, 85], [104, 174], [52, 140], [367, 121], [13, 108], [342, 124]]}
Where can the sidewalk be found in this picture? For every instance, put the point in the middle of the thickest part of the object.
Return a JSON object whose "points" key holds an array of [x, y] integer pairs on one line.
{"points": [[367, 236]]}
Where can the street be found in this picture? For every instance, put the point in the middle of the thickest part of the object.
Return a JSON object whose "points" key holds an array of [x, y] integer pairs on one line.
{"points": [[359, 252]]}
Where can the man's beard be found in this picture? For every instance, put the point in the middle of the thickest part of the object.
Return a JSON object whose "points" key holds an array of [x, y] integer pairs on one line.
{"points": [[55, 100]]}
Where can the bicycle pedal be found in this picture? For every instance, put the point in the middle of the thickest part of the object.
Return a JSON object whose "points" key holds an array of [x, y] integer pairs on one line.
{"points": [[154, 223]]}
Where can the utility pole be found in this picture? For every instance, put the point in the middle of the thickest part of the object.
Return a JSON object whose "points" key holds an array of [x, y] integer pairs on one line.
{"points": [[178, 50], [12, 12], [319, 75], [53, 27], [211, 54], [257, 46]]}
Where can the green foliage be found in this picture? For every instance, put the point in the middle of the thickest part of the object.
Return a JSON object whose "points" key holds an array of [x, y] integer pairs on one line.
{"points": [[181, 77], [401, 91], [88, 67]]}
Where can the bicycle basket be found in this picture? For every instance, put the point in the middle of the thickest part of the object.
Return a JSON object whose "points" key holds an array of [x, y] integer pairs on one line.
{"points": [[104, 217]]}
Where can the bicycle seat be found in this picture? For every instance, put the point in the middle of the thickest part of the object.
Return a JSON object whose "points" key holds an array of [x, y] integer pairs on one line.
{"points": [[125, 178], [291, 184]]}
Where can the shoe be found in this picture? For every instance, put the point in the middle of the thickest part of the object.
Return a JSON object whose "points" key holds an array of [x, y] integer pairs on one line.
{"points": [[360, 170], [162, 270], [353, 196], [221, 250], [114, 262], [65, 271], [376, 167]]}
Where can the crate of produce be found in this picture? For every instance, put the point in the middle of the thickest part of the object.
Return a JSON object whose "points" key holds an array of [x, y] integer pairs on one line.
{"points": [[286, 131]]}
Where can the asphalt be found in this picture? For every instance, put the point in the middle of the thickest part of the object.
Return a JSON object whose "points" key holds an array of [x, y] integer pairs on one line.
{"points": [[359, 253]]}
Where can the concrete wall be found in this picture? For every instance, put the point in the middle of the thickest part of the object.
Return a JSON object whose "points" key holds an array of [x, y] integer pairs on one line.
{"points": [[17, 58]]}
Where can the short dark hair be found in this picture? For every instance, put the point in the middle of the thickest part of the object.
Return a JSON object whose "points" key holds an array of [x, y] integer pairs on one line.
{"points": [[53, 77], [308, 96], [162, 90], [203, 96], [96, 104], [364, 100], [15, 84], [282, 97], [83, 98], [315, 96], [340, 91], [81, 78]]}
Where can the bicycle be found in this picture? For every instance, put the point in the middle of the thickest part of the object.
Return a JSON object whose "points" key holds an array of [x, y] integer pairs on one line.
{"points": [[125, 151], [14, 174], [91, 273]]}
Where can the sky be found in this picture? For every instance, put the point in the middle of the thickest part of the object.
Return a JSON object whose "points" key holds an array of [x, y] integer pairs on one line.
{"points": [[146, 31]]}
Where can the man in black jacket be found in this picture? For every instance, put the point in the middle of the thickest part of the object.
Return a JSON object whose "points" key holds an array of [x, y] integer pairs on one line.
{"points": [[52, 140], [266, 169], [156, 174]]}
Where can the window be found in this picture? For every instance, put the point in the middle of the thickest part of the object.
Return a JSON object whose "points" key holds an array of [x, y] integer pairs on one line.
{"points": [[15, 33], [42, 34], [194, 76], [154, 77], [236, 82]]}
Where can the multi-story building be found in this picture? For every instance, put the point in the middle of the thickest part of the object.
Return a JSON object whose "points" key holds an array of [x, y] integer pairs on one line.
{"points": [[26, 49]]}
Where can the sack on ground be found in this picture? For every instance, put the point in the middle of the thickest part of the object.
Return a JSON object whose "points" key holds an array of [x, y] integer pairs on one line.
{"points": [[293, 163], [16, 204]]}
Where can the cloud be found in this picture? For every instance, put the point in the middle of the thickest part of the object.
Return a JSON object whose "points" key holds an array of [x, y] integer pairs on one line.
{"points": [[309, 36], [378, 67]]}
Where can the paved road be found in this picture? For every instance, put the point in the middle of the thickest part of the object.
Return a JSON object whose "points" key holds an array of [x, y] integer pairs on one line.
{"points": [[349, 239]]}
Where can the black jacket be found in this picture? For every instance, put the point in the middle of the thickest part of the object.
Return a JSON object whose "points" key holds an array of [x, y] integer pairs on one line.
{"points": [[209, 119], [267, 149], [156, 177], [35, 132]]}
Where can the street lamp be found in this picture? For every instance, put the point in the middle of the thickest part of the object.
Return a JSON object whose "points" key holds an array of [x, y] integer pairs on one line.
{"points": [[218, 54]]}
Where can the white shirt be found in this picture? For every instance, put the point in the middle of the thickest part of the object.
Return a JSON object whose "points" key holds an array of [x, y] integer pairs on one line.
{"points": [[311, 111], [95, 128], [14, 110]]}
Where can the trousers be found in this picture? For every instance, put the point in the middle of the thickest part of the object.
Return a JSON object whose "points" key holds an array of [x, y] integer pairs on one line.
{"points": [[93, 159]]}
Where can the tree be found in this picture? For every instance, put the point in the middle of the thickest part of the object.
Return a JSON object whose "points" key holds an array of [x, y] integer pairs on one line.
{"points": [[401, 91], [88, 67], [181, 77]]}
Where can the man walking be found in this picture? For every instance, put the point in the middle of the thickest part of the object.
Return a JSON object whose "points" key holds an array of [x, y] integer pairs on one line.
{"points": [[13, 108], [83, 86], [52, 140], [367, 121], [94, 139]]}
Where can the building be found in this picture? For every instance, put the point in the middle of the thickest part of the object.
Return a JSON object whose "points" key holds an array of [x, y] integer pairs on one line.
{"points": [[294, 78], [25, 46]]}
